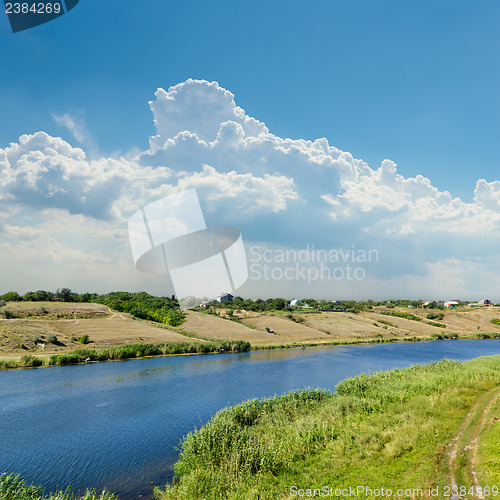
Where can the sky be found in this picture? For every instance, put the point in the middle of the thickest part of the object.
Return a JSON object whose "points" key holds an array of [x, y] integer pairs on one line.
{"points": [[365, 131]]}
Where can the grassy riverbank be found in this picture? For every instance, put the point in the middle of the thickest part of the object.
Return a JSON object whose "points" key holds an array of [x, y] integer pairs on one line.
{"points": [[13, 487], [392, 429], [43, 329], [125, 352]]}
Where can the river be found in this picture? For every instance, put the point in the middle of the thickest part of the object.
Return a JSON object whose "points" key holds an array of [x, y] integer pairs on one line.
{"points": [[116, 424]]}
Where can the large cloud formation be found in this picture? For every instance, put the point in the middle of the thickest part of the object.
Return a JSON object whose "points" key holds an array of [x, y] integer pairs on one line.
{"points": [[288, 193]]}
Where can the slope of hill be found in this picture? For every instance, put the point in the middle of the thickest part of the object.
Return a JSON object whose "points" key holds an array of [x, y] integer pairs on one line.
{"points": [[32, 325]]}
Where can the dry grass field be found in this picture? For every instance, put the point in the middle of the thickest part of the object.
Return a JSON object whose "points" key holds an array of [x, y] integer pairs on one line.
{"points": [[213, 327], [33, 322], [70, 321]]}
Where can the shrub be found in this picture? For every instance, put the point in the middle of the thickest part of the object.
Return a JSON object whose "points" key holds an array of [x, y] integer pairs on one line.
{"points": [[8, 314], [435, 315], [52, 339], [495, 321], [2, 303], [41, 310], [388, 323], [29, 360], [399, 314], [84, 339]]}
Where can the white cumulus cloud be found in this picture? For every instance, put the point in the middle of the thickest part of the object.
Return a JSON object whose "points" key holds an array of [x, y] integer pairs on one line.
{"points": [[284, 191]]}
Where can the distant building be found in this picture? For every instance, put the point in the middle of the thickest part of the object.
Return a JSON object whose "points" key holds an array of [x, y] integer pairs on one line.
{"points": [[299, 303], [225, 297], [433, 303], [486, 302], [452, 303]]}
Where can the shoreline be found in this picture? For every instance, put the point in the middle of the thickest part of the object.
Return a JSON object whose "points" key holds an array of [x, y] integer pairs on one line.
{"points": [[129, 351], [460, 399]]}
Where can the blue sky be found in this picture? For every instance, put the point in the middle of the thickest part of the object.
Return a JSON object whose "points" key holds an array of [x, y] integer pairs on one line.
{"points": [[415, 82]]}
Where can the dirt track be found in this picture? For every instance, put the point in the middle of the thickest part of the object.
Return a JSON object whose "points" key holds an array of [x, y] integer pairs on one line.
{"points": [[461, 455]]}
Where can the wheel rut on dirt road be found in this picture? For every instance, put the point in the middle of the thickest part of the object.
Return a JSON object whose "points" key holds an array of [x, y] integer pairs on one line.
{"points": [[462, 453]]}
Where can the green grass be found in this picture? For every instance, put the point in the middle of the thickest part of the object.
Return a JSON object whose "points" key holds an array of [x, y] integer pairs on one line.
{"points": [[29, 361], [400, 314], [439, 325], [490, 335], [489, 449], [13, 487], [128, 351], [444, 336], [374, 430], [388, 323], [141, 350]]}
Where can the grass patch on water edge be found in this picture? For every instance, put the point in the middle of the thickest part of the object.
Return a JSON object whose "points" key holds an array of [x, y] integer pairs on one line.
{"points": [[127, 352], [13, 487], [209, 346], [372, 431]]}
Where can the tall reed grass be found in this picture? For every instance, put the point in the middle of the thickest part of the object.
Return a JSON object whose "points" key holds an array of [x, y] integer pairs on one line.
{"points": [[128, 351], [13, 487], [374, 426]]}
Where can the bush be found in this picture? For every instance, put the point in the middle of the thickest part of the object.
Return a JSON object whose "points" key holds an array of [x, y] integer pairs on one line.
{"points": [[444, 336], [84, 339], [8, 314], [29, 360], [490, 335], [52, 339], [399, 314], [12, 297], [495, 321], [439, 325], [41, 310], [435, 315]]}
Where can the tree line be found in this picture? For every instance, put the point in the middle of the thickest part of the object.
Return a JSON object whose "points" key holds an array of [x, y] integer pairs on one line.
{"points": [[140, 304]]}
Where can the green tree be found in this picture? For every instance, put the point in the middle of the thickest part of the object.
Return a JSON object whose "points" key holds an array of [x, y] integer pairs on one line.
{"points": [[12, 297], [42, 296], [65, 294]]}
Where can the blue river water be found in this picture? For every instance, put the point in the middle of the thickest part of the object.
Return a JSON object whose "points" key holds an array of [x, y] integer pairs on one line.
{"points": [[116, 425]]}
